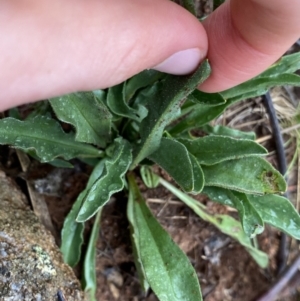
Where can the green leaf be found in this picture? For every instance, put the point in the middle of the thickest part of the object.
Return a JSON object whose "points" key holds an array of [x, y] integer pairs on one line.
{"points": [[72, 235], [209, 99], [141, 80], [61, 163], [198, 116], [149, 178], [167, 101], [278, 212], [287, 64], [111, 181], [182, 166], [72, 232], [167, 269], [46, 137], [190, 6], [91, 119], [89, 266], [217, 3], [56, 162], [278, 74], [117, 104], [252, 175], [250, 218], [220, 130], [173, 157], [198, 175], [210, 150], [224, 223], [135, 243]]}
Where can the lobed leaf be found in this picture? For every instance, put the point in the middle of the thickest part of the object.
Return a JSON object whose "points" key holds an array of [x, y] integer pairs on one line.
{"points": [[44, 136], [250, 218], [252, 175], [91, 119], [167, 269], [210, 150], [111, 181], [224, 223], [167, 101]]}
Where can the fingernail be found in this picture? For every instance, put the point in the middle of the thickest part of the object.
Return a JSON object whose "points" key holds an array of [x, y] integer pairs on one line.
{"points": [[182, 62]]}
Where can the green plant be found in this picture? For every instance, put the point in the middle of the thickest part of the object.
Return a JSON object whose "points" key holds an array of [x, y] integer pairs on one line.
{"points": [[148, 119]]}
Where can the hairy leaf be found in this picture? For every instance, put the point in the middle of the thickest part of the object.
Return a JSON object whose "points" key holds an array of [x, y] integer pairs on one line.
{"points": [[149, 178], [198, 175], [250, 218], [135, 240], [190, 6], [167, 101], [278, 74], [72, 235], [197, 116], [111, 181], [217, 3], [220, 130], [117, 104], [224, 223], [46, 137], [89, 266], [211, 150], [141, 80], [91, 119], [278, 212], [167, 269], [209, 99], [252, 175], [56, 162], [173, 157], [72, 232]]}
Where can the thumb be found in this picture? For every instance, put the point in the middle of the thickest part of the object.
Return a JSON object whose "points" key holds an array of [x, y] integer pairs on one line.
{"points": [[49, 48], [246, 37]]}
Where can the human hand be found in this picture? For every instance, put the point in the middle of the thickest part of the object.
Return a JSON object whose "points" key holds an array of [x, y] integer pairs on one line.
{"points": [[50, 48]]}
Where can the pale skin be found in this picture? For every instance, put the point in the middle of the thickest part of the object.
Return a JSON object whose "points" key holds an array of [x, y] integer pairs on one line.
{"points": [[50, 48]]}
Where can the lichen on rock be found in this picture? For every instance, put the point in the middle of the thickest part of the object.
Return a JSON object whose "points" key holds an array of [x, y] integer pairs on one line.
{"points": [[31, 265]]}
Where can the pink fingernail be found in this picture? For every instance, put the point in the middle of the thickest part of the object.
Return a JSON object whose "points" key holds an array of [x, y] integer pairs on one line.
{"points": [[182, 62]]}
